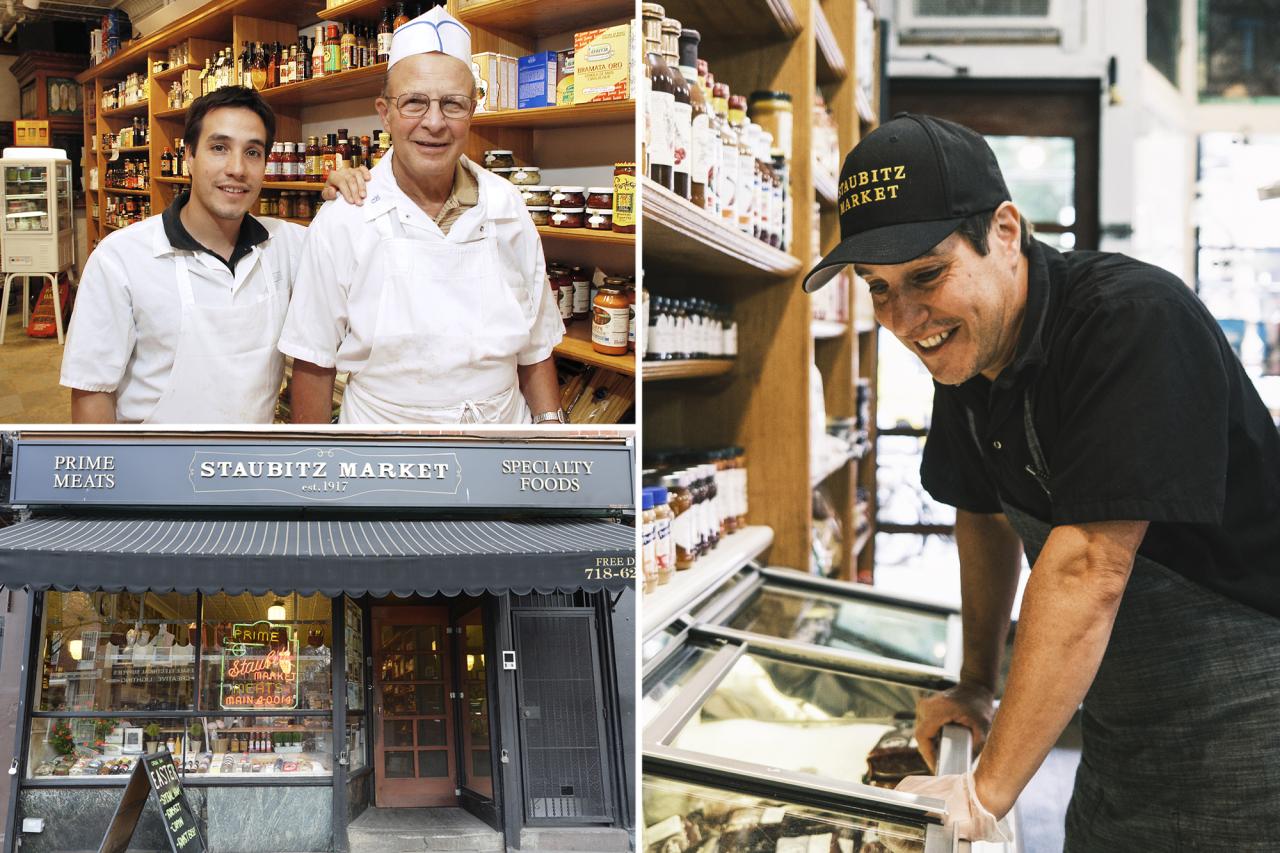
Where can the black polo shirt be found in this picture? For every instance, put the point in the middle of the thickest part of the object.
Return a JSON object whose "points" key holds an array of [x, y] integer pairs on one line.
{"points": [[252, 232], [1143, 412]]}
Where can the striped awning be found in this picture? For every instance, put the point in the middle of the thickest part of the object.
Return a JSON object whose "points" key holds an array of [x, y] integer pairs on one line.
{"points": [[377, 557]]}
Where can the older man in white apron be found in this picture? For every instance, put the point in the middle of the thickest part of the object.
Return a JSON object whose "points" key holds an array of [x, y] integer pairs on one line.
{"points": [[432, 295], [178, 316]]}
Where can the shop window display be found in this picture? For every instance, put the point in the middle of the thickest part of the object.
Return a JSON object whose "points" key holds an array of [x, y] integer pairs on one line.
{"points": [[251, 661], [117, 652], [246, 681]]}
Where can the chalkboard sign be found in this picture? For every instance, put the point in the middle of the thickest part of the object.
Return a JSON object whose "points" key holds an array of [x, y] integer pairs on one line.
{"points": [[154, 775]]}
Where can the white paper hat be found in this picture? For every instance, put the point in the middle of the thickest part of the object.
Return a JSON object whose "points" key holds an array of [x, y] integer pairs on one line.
{"points": [[435, 31]]}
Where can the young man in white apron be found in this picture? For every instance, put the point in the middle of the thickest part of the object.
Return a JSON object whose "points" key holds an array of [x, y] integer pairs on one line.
{"points": [[432, 295], [1088, 410], [177, 317]]}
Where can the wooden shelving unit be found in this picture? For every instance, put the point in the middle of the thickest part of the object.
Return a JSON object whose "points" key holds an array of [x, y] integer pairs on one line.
{"points": [[762, 403], [513, 27], [683, 236], [697, 368]]}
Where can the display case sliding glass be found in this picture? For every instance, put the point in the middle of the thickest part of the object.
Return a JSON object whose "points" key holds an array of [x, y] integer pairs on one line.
{"points": [[805, 774], [839, 622], [38, 232]]}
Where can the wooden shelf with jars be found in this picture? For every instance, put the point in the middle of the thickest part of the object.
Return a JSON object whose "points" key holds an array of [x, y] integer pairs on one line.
{"points": [[763, 403], [679, 233], [514, 27]]}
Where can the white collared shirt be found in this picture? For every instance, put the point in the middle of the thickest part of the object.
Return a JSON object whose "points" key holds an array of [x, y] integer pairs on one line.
{"points": [[124, 329], [329, 325]]}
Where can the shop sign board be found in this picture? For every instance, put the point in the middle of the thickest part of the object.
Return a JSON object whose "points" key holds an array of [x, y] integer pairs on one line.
{"points": [[341, 474], [259, 668], [155, 778]]}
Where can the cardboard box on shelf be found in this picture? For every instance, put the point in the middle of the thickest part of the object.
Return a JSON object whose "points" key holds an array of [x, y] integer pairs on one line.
{"points": [[564, 78], [602, 64], [538, 80]]}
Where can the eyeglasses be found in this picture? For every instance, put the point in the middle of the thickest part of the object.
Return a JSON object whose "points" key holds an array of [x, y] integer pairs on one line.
{"points": [[413, 105]]}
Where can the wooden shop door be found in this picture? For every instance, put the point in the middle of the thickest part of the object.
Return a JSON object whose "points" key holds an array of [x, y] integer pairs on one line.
{"points": [[414, 763]]}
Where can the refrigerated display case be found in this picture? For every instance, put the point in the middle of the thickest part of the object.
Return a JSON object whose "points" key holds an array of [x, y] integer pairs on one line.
{"points": [[38, 233], [766, 743], [840, 620]]}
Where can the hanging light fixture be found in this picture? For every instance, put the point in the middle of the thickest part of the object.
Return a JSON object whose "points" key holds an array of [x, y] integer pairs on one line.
{"points": [[275, 613], [76, 649]]}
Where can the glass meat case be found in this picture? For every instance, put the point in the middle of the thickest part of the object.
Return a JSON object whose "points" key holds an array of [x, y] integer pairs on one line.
{"points": [[38, 233], [753, 746], [848, 621]]}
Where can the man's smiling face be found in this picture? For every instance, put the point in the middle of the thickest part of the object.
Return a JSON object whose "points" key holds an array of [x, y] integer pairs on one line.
{"points": [[960, 312]]}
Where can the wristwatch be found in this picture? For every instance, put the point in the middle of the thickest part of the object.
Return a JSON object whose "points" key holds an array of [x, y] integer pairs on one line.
{"points": [[550, 417]]}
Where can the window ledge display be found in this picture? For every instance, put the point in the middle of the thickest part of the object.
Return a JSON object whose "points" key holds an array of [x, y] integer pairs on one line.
{"points": [[672, 599]]}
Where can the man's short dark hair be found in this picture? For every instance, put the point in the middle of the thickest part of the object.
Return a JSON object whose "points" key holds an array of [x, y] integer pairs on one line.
{"points": [[228, 96], [976, 228]]}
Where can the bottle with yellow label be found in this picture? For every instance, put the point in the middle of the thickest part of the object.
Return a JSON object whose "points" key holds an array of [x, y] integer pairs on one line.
{"points": [[624, 198]]}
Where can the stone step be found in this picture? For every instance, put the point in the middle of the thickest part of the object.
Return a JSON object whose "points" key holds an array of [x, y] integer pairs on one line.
{"points": [[576, 839]]}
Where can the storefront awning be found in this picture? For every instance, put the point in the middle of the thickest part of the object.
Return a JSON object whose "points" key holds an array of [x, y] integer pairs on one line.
{"points": [[355, 557]]}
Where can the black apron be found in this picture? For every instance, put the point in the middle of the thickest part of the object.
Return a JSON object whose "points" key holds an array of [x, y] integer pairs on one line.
{"points": [[1181, 726]]}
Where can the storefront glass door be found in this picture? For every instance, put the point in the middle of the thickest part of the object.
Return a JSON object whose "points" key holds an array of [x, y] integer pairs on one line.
{"points": [[414, 762], [477, 758]]}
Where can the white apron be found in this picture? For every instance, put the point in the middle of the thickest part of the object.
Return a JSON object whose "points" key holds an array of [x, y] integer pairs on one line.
{"points": [[449, 327], [227, 369]]}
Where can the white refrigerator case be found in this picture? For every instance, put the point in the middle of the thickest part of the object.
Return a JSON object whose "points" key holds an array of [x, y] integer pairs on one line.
{"points": [[38, 233]]}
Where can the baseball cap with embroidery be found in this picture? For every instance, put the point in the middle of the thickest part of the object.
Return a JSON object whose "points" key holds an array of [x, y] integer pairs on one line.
{"points": [[903, 190]]}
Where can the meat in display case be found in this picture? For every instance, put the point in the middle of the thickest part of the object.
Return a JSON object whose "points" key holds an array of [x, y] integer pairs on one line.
{"points": [[683, 816], [841, 620]]}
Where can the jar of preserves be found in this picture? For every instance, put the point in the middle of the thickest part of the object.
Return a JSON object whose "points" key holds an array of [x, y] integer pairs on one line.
{"points": [[582, 296], [526, 176], [541, 215], [503, 172], [536, 195], [303, 207], [664, 551], [498, 158], [569, 197], [683, 531], [568, 217], [600, 198], [609, 320], [561, 284], [624, 198], [599, 220], [264, 205], [631, 320], [648, 523], [285, 205]]}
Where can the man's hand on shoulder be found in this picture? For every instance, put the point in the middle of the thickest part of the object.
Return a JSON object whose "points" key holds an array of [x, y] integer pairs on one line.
{"points": [[349, 183]]}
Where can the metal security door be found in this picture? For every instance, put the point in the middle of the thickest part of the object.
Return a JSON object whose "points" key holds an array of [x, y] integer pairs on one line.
{"points": [[413, 717], [561, 709]]}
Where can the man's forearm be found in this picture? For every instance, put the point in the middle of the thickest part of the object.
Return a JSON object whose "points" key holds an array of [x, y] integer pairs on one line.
{"points": [[540, 385], [1068, 609], [93, 407], [990, 560], [311, 393]]}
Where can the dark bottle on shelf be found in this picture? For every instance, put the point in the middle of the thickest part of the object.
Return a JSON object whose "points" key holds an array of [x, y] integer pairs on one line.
{"points": [[683, 109], [166, 163], [701, 132], [384, 35], [660, 146]]}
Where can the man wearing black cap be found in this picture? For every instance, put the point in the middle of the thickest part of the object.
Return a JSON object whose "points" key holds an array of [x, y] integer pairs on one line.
{"points": [[1089, 410]]}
